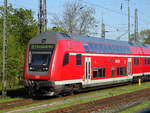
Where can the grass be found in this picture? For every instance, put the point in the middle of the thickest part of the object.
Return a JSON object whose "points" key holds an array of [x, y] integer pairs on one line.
{"points": [[7, 99], [138, 108], [103, 94]]}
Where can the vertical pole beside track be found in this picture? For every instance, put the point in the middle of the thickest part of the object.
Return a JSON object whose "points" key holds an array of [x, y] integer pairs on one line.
{"points": [[136, 26], [45, 16], [128, 20], [103, 29], [42, 16], [139, 81], [4, 77]]}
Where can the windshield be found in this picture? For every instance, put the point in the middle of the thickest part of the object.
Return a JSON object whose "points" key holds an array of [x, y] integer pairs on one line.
{"points": [[40, 59]]}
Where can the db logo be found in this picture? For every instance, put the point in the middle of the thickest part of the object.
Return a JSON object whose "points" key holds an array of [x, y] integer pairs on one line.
{"points": [[37, 76]]}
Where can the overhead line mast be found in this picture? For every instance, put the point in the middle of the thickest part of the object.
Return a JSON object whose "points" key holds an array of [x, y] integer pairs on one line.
{"points": [[4, 77], [42, 16], [136, 26], [103, 29], [128, 20]]}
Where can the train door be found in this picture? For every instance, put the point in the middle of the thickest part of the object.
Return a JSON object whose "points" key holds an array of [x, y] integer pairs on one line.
{"points": [[87, 69], [129, 66]]}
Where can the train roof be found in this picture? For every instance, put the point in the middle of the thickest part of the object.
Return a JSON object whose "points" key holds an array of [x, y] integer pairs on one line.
{"points": [[54, 36]]}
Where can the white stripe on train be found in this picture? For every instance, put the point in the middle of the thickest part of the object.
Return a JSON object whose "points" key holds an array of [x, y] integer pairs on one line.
{"points": [[101, 81], [108, 55]]}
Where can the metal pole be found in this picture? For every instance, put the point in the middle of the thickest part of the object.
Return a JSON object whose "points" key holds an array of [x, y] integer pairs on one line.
{"points": [[136, 26], [4, 80], [45, 16], [129, 20], [40, 16], [103, 29]]}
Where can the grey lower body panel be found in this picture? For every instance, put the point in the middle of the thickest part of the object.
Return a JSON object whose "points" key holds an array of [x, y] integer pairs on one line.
{"points": [[28, 83]]}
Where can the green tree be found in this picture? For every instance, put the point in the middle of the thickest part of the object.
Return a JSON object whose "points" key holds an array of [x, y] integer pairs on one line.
{"points": [[22, 26], [145, 35], [58, 29]]}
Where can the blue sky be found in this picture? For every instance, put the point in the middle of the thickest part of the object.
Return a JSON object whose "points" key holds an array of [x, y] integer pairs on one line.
{"points": [[114, 18]]}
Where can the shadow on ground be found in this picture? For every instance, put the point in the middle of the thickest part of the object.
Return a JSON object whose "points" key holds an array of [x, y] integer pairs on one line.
{"points": [[21, 93], [16, 93]]}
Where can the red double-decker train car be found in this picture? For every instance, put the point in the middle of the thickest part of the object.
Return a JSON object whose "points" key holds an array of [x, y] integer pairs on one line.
{"points": [[57, 63]]}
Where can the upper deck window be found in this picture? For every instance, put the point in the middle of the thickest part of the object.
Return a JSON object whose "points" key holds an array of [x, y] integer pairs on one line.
{"points": [[97, 48], [92, 48], [86, 47], [101, 48]]}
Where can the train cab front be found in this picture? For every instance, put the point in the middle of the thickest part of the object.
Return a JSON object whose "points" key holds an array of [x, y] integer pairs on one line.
{"points": [[37, 69]]}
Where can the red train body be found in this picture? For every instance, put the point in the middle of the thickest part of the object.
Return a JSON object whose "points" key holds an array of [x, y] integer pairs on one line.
{"points": [[57, 63]]}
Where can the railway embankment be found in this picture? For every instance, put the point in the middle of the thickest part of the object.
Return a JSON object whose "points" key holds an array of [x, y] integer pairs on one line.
{"points": [[55, 103]]}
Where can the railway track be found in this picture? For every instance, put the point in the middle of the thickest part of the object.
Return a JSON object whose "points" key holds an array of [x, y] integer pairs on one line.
{"points": [[109, 105], [50, 101], [15, 103], [28, 101]]}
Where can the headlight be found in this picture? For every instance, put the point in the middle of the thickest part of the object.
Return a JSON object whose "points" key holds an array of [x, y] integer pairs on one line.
{"points": [[30, 68], [45, 69]]}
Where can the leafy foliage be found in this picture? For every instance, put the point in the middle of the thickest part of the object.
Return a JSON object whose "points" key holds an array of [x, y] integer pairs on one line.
{"points": [[143, 37], [21, 28], [58, 29], [146, 36]]}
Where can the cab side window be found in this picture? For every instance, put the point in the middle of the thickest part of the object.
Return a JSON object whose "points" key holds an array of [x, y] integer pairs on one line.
{"points": [[66, 59], [78, 59]]}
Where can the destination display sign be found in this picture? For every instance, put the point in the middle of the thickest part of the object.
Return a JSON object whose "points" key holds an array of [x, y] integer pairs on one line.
{"points": [[42, 46]]}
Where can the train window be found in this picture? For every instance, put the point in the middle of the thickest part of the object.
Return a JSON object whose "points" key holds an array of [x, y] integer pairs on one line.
{"points": [[119, 49], [113, 71], [92, 48], [97, 48], [128, 49], [110, 48], [121, 71], [66, 59], [99, 72], [105, 48], [125, 50], [78, 59], [86, 47], [122, 49], [147, 61], [101, 48], [136, 61], [115, 49], [95, 72]]}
